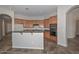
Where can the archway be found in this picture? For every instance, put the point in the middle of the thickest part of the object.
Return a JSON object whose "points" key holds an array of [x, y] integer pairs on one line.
{"points": [[6, 19], [72, 28], [5, 31]]}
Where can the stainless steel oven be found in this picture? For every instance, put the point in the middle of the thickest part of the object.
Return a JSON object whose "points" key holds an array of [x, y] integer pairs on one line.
{"points": [[53, 29]]}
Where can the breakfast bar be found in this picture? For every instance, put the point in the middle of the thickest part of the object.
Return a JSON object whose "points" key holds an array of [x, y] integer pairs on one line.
{"points": [[28, 39]]}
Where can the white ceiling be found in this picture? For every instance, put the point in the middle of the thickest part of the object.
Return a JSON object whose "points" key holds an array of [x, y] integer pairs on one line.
{"points": [[33, 11]]}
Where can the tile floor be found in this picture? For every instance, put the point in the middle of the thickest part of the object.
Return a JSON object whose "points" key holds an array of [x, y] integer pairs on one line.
{"points": [[50, 47]]}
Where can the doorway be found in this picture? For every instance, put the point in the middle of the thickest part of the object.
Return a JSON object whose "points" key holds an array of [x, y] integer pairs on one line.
{"points": [[5, 32], [73, 29], [77, 27]]}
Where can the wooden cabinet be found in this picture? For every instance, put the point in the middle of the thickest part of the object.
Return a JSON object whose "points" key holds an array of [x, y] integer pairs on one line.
{"points": [[53, 38], [25, 24], [29, 23], [40, 22], [53, 20], [49, 37], [47, 22], [18, 21]]}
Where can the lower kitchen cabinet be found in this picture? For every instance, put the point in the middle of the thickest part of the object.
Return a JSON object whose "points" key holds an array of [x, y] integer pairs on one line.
{"points": [[28, 40]]}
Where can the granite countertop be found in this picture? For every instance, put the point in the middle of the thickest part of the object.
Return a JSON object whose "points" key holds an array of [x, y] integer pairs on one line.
{"points": [[30, 31]]}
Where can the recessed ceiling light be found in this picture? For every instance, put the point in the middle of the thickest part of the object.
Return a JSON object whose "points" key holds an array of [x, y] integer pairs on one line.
{"points": [[26, 8]]}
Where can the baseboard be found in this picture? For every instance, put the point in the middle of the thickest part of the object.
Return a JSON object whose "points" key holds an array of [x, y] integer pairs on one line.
{"points": [[71, 38], [28, 47]]}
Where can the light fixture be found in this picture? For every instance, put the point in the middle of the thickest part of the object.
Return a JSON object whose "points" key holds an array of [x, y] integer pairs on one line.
{"points": [[26, 8]]}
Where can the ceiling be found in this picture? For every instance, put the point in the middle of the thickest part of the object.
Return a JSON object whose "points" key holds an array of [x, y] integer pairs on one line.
{"points": [[32, 11]]}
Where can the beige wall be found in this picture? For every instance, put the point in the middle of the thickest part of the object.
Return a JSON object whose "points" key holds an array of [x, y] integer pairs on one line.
{"points": [[0, 30], [77, 27], [71, 25], [61, 24]]}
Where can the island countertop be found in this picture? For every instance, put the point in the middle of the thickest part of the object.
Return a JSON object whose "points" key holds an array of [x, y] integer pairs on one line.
{"points": [[30, 31]]}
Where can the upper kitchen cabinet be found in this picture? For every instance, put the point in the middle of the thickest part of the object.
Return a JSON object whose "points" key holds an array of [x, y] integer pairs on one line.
{"points": [[30, 23], [53, 20], [18, 21], [25, 23], [40, 22], [46, 23]]}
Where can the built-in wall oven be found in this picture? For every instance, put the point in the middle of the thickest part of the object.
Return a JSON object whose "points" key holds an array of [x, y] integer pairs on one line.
{"points": [[53, 29]]}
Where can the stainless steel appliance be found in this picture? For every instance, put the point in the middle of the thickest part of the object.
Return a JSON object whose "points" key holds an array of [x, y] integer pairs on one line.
{"points": [[53, 29]]}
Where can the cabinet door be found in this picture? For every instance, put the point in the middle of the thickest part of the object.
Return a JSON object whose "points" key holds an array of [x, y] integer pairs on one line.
{"points": [[22, 40], [46, 23], [25, 24], [47, 35], [37, 40], [27, 40], [17, 40], [18, 21], [53, 20]]}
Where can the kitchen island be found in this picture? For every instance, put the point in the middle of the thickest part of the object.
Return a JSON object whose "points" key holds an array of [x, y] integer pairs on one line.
{"points": [[28, 39]]}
